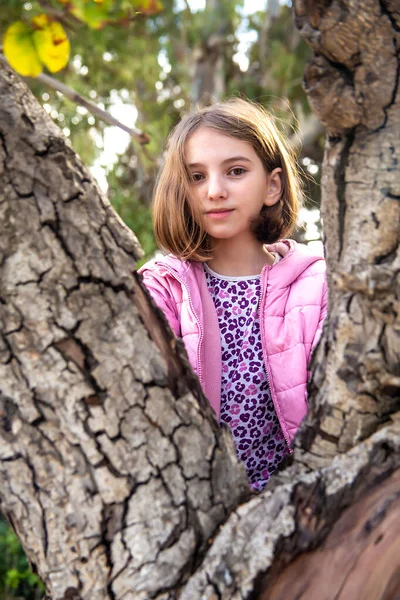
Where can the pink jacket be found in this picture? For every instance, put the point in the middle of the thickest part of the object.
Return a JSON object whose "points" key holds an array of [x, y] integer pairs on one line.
{"points": [[292, 310]]}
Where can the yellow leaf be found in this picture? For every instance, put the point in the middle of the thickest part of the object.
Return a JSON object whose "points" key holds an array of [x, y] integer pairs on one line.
{"points": [[149, 7], [20, 51], [40, 22], [51, 43]]}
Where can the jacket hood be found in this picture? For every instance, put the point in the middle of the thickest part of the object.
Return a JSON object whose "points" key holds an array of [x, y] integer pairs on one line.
{"points": [[286, 271]]}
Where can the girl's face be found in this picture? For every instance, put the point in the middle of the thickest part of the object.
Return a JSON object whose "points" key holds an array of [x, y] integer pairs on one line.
{"points": [[230, 183]]}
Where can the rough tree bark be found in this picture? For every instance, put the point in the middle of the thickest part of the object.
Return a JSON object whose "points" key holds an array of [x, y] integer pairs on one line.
{"points": [[112, 469]]}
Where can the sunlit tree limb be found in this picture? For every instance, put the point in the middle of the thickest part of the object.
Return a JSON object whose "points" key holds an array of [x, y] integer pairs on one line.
{"points": [[138, 135]]}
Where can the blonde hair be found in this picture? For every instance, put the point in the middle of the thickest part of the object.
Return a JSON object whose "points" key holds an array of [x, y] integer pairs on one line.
{"points": [[176, 219]]}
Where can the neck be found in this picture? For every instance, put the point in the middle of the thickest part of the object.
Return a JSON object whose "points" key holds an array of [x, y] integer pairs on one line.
{"points": [[240, 259]]}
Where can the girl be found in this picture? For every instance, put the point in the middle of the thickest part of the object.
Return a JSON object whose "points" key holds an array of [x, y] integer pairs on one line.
{"points": [[248, 304]]}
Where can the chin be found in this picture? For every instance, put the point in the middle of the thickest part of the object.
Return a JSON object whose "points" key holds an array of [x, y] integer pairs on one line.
{"points": [[220, 236]]}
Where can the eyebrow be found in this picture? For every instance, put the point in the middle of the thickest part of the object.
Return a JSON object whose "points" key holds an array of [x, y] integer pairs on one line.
{"points": [[224, 162]]}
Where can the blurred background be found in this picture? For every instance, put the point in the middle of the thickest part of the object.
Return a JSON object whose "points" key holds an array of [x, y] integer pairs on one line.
{"points": [[174, 55]]}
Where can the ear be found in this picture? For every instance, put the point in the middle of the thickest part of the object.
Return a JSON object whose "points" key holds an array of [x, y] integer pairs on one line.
{"points": [[274, 187]]}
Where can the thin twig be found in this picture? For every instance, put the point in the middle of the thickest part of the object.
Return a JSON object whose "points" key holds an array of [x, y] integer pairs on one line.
{"points": [[67, 18], [140, 136]]}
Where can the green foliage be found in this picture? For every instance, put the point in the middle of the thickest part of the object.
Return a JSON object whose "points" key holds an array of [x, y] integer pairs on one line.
{"points": [[135, 213], [41, 40], [138, 218], [16, 579]]}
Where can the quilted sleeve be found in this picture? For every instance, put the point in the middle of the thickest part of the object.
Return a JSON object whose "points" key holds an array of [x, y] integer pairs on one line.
{"points": [[161, 293]]}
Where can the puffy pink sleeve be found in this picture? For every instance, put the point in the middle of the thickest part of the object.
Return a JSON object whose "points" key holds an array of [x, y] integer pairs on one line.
{"points": [[161, 293]]}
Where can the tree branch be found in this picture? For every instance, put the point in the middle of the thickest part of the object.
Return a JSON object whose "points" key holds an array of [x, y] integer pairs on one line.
{"points": [[139, 136], [67, 18]]}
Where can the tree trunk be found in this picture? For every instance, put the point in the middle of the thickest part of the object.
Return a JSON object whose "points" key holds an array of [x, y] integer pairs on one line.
{"points": [[211, 55], [113, 470]]}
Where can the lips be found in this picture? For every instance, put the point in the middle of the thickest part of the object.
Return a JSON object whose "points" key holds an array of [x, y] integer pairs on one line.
{"points": [[219, 213]]}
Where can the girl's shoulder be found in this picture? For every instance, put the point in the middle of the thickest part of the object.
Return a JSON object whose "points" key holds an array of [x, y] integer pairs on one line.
{"points": [[165, 265], [297, 261], [291, 249]]}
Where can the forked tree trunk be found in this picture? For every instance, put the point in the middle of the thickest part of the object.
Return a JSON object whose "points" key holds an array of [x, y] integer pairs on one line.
{"points": [[113, 470]]}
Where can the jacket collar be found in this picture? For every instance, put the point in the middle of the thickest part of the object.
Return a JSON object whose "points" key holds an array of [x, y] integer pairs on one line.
{"points": [[282, 274]]}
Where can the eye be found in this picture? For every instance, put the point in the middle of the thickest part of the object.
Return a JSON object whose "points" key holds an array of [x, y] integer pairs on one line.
{"points": [[237, 171], [197, 177]]}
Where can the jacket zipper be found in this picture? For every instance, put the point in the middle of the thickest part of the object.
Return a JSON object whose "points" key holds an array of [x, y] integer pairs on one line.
{"points": [[199, 370], [265, 356]]}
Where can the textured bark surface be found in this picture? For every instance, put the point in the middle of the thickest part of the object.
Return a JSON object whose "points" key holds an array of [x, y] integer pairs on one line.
{"points": [[353, 82], [113, 470], [301, 512], [369, 530]]}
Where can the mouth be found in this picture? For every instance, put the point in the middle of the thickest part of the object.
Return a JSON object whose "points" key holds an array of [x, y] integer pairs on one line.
{"points": [[219, 213]]}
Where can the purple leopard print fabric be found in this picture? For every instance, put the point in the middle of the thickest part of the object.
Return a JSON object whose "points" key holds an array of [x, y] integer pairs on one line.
{"points": [[246, 404]]}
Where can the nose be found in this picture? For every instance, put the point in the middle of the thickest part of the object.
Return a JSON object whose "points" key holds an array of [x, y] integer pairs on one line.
{"points": [[216, 188]]}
